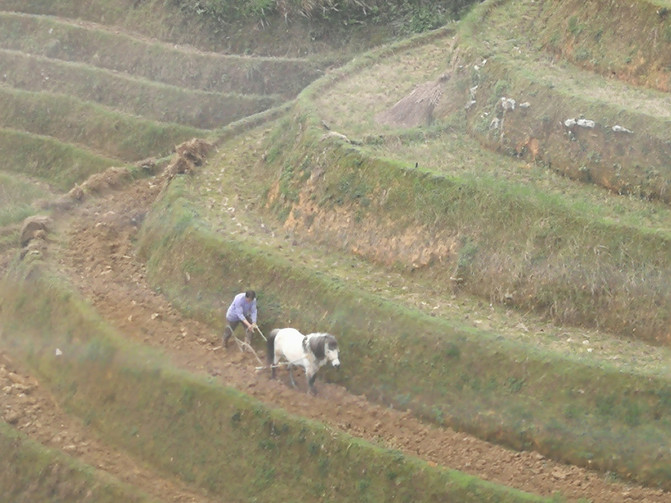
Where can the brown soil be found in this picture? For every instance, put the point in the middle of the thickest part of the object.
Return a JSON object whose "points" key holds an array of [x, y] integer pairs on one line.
{"points": [[99, 258]]}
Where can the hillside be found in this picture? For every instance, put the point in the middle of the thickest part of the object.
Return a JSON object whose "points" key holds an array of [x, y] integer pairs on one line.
{"points": [[480, 214]]}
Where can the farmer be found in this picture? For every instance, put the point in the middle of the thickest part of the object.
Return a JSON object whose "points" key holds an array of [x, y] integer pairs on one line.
{"points": [[242, 310]]}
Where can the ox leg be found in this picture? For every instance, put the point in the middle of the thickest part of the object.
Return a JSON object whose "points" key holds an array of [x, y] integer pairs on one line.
{"points": [[311, 383], [291, 376], [273, 366]]}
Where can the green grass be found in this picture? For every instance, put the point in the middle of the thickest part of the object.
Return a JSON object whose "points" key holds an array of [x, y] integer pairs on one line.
{"points": [[31, 472], [249, 149], [95, 127], [626, 52], [136, 96], [16, 196], [49, 160], [155, 60], [624, 163], [335, 32]]}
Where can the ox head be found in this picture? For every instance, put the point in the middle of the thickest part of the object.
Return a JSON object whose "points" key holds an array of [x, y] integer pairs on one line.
{"points": [[331, 351], [325, 349]]}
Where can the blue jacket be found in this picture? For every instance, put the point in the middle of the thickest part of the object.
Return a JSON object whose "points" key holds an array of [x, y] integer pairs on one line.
{"points": [[240, 309]]}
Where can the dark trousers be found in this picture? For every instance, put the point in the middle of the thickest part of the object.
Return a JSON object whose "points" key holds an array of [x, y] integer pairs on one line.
{"points": [[230, 328]]}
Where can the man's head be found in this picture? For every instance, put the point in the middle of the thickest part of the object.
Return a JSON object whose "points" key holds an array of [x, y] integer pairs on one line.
{"points": [[250, 295]]}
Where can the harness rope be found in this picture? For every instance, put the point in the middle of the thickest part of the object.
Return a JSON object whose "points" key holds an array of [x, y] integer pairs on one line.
{"points": [[280, 364]]}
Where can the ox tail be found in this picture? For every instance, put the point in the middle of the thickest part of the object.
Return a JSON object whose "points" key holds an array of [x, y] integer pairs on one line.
{"points": [[270, 345]]}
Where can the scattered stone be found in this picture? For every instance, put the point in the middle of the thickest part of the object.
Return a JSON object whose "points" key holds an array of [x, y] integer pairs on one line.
{"points": [[12, 416], [620, 129], [559, 474], [586, 123], [508, 103]]}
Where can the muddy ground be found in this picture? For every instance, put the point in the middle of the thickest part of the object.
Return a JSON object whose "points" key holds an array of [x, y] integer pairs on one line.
{"points": [[97, 254]]}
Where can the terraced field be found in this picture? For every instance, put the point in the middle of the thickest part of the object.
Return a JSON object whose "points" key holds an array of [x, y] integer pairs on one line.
{"points": [[479, 213]]}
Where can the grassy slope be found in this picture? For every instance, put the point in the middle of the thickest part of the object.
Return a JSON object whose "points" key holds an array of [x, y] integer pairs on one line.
{"points": [[636, 48], [329, 32], [16, 196], [29, 472], [626, 163], [19, 199], [114, 385], [48, 159], [637, 414], [475, 380], [501, 211], [98, 46], [51, 301], [89, 125], [125, 93], [529, 249]]}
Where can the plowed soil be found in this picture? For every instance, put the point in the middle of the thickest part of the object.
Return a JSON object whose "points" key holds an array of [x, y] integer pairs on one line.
{"points": [[97, 253]]}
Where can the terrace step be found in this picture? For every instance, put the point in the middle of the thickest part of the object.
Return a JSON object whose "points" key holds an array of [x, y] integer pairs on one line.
{"points": [[133, 95], [624, 147], [98, 128], [103, 47], [258, 228], [48, 159]]}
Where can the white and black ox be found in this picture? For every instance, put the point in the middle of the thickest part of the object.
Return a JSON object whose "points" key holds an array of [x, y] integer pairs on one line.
{"points": [[311, 352]]}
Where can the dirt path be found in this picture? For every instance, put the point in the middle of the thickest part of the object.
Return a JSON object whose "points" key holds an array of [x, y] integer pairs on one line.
{"points": [[101, 262]]}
